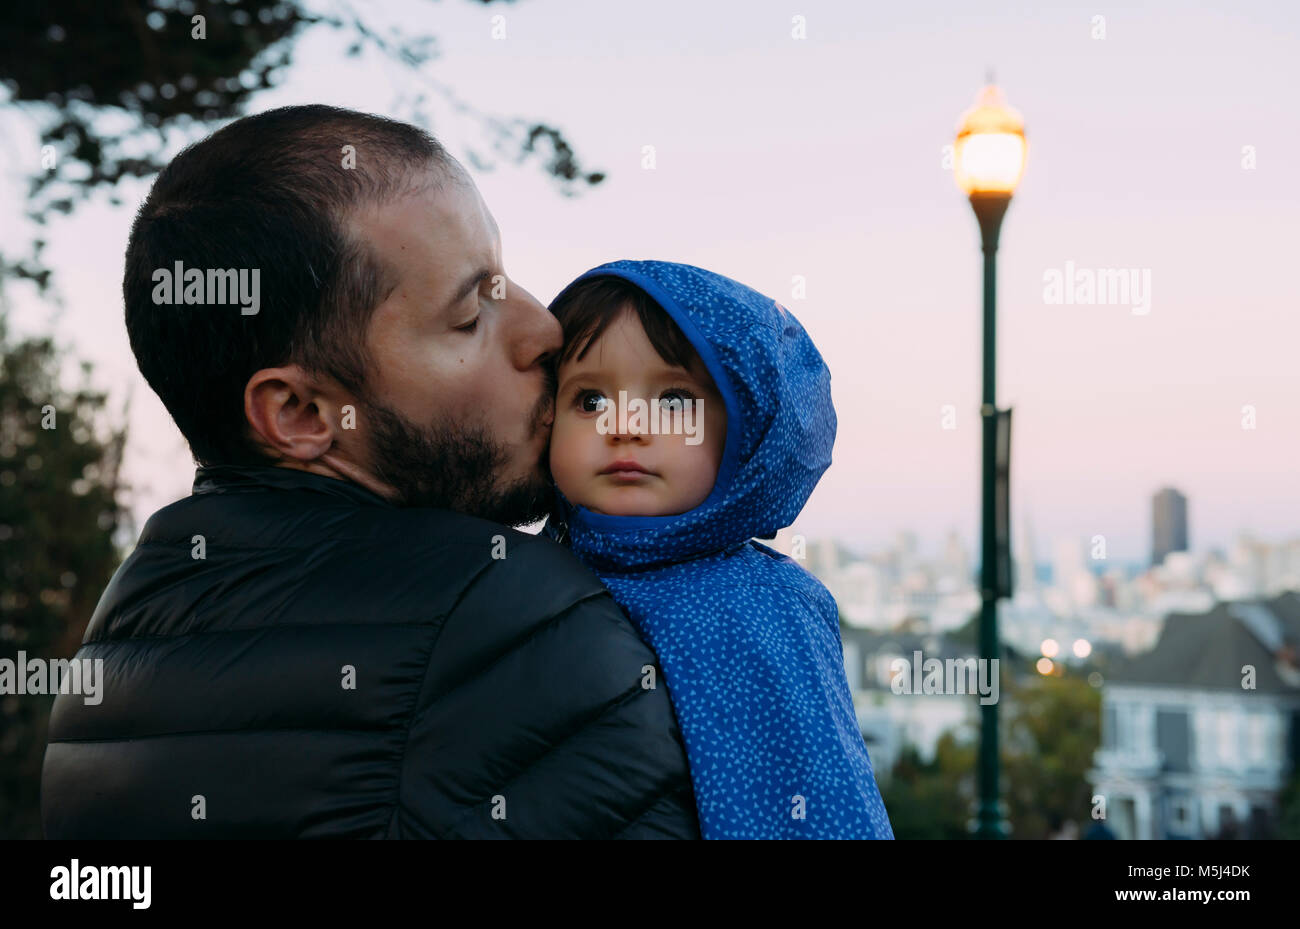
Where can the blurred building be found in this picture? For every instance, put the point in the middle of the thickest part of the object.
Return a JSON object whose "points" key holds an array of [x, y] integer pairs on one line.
{"points": [[1167, 639], [1201, 733], [889, 720], [1168, 524]]}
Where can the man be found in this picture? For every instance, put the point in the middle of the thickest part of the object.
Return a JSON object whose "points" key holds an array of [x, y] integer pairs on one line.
{"points": [[336, 634]]}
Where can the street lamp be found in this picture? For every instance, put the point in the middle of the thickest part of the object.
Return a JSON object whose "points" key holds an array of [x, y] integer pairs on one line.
{"points": [[989, 159], [989, 156]]}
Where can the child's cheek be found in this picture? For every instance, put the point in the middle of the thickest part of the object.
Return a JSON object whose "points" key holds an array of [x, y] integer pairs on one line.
{"points": [[565, 456]]}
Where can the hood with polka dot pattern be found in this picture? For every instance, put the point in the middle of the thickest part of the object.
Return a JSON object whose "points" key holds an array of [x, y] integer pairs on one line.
{"points": [[780, 423], [748, 641]]}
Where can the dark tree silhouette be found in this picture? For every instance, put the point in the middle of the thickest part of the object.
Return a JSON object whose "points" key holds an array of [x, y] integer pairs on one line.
{"points": [[59, 513], [71, 63]]}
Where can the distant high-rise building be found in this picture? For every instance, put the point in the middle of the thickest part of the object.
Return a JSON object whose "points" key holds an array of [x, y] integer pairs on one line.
{"points": [[1168, 524], [1072, 577]]}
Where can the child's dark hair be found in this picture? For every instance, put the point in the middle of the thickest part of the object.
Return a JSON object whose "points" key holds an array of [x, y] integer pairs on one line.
{"points": [[587, 308]]}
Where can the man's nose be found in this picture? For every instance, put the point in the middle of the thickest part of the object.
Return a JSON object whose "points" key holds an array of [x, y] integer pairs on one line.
{"points": [[535, 334]]}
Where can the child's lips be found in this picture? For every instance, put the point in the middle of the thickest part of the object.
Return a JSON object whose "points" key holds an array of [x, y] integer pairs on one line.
{"points": [[625, 469]]}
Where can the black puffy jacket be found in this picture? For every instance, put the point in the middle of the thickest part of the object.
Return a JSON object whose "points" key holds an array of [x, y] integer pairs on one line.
{"points": [[288, 655]]}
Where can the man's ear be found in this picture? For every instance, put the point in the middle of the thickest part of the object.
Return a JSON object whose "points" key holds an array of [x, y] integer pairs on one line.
{"points": [[292, 414]]}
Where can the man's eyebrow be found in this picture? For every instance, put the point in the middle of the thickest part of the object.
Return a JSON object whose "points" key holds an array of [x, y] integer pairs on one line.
{"points": [[469, 286]]}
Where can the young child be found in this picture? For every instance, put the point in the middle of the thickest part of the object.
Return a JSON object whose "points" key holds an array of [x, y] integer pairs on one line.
{"points": [[693, 414]]}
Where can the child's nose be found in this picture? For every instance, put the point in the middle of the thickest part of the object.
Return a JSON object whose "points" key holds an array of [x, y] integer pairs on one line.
{"points": [[616, 437]]}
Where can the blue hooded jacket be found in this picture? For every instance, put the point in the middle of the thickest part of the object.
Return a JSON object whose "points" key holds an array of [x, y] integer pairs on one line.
{"points": [[748, 640]]}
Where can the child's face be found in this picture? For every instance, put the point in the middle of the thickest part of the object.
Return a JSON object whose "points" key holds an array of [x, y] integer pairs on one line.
{"points": [[678, 465]]}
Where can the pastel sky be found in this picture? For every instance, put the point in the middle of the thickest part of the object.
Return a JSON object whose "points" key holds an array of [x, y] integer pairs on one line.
{"points": [[823, 157]]}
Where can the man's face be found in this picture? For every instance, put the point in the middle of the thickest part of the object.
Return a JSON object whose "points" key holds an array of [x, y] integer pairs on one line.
{"points": [[459, 399]]}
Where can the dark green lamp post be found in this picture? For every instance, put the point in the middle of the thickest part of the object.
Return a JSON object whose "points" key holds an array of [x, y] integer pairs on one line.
{"points": [[989, 159]]}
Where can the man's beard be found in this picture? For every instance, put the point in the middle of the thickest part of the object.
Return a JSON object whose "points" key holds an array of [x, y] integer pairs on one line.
{"points": [[454, 465]]}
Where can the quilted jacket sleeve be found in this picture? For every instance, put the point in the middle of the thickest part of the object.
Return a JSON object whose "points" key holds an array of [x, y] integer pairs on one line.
{"points": [[542, 683]]}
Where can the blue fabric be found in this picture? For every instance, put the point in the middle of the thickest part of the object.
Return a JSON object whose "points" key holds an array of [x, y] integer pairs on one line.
{"points": [[748, 641]]}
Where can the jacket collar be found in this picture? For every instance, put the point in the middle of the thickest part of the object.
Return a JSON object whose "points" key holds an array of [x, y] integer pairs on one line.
{"points": [[229, 479]]}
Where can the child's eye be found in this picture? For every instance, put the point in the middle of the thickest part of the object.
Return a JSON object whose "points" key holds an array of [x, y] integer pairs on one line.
{"points": [[675, 399], [591, 401], [469, 326]]}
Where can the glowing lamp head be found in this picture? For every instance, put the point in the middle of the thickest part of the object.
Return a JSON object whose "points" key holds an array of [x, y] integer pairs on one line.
{"points": [[989, 156]]}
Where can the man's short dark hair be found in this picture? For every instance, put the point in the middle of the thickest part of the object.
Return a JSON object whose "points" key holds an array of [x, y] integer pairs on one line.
{"points": [[273, 192], [586, 309]]}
